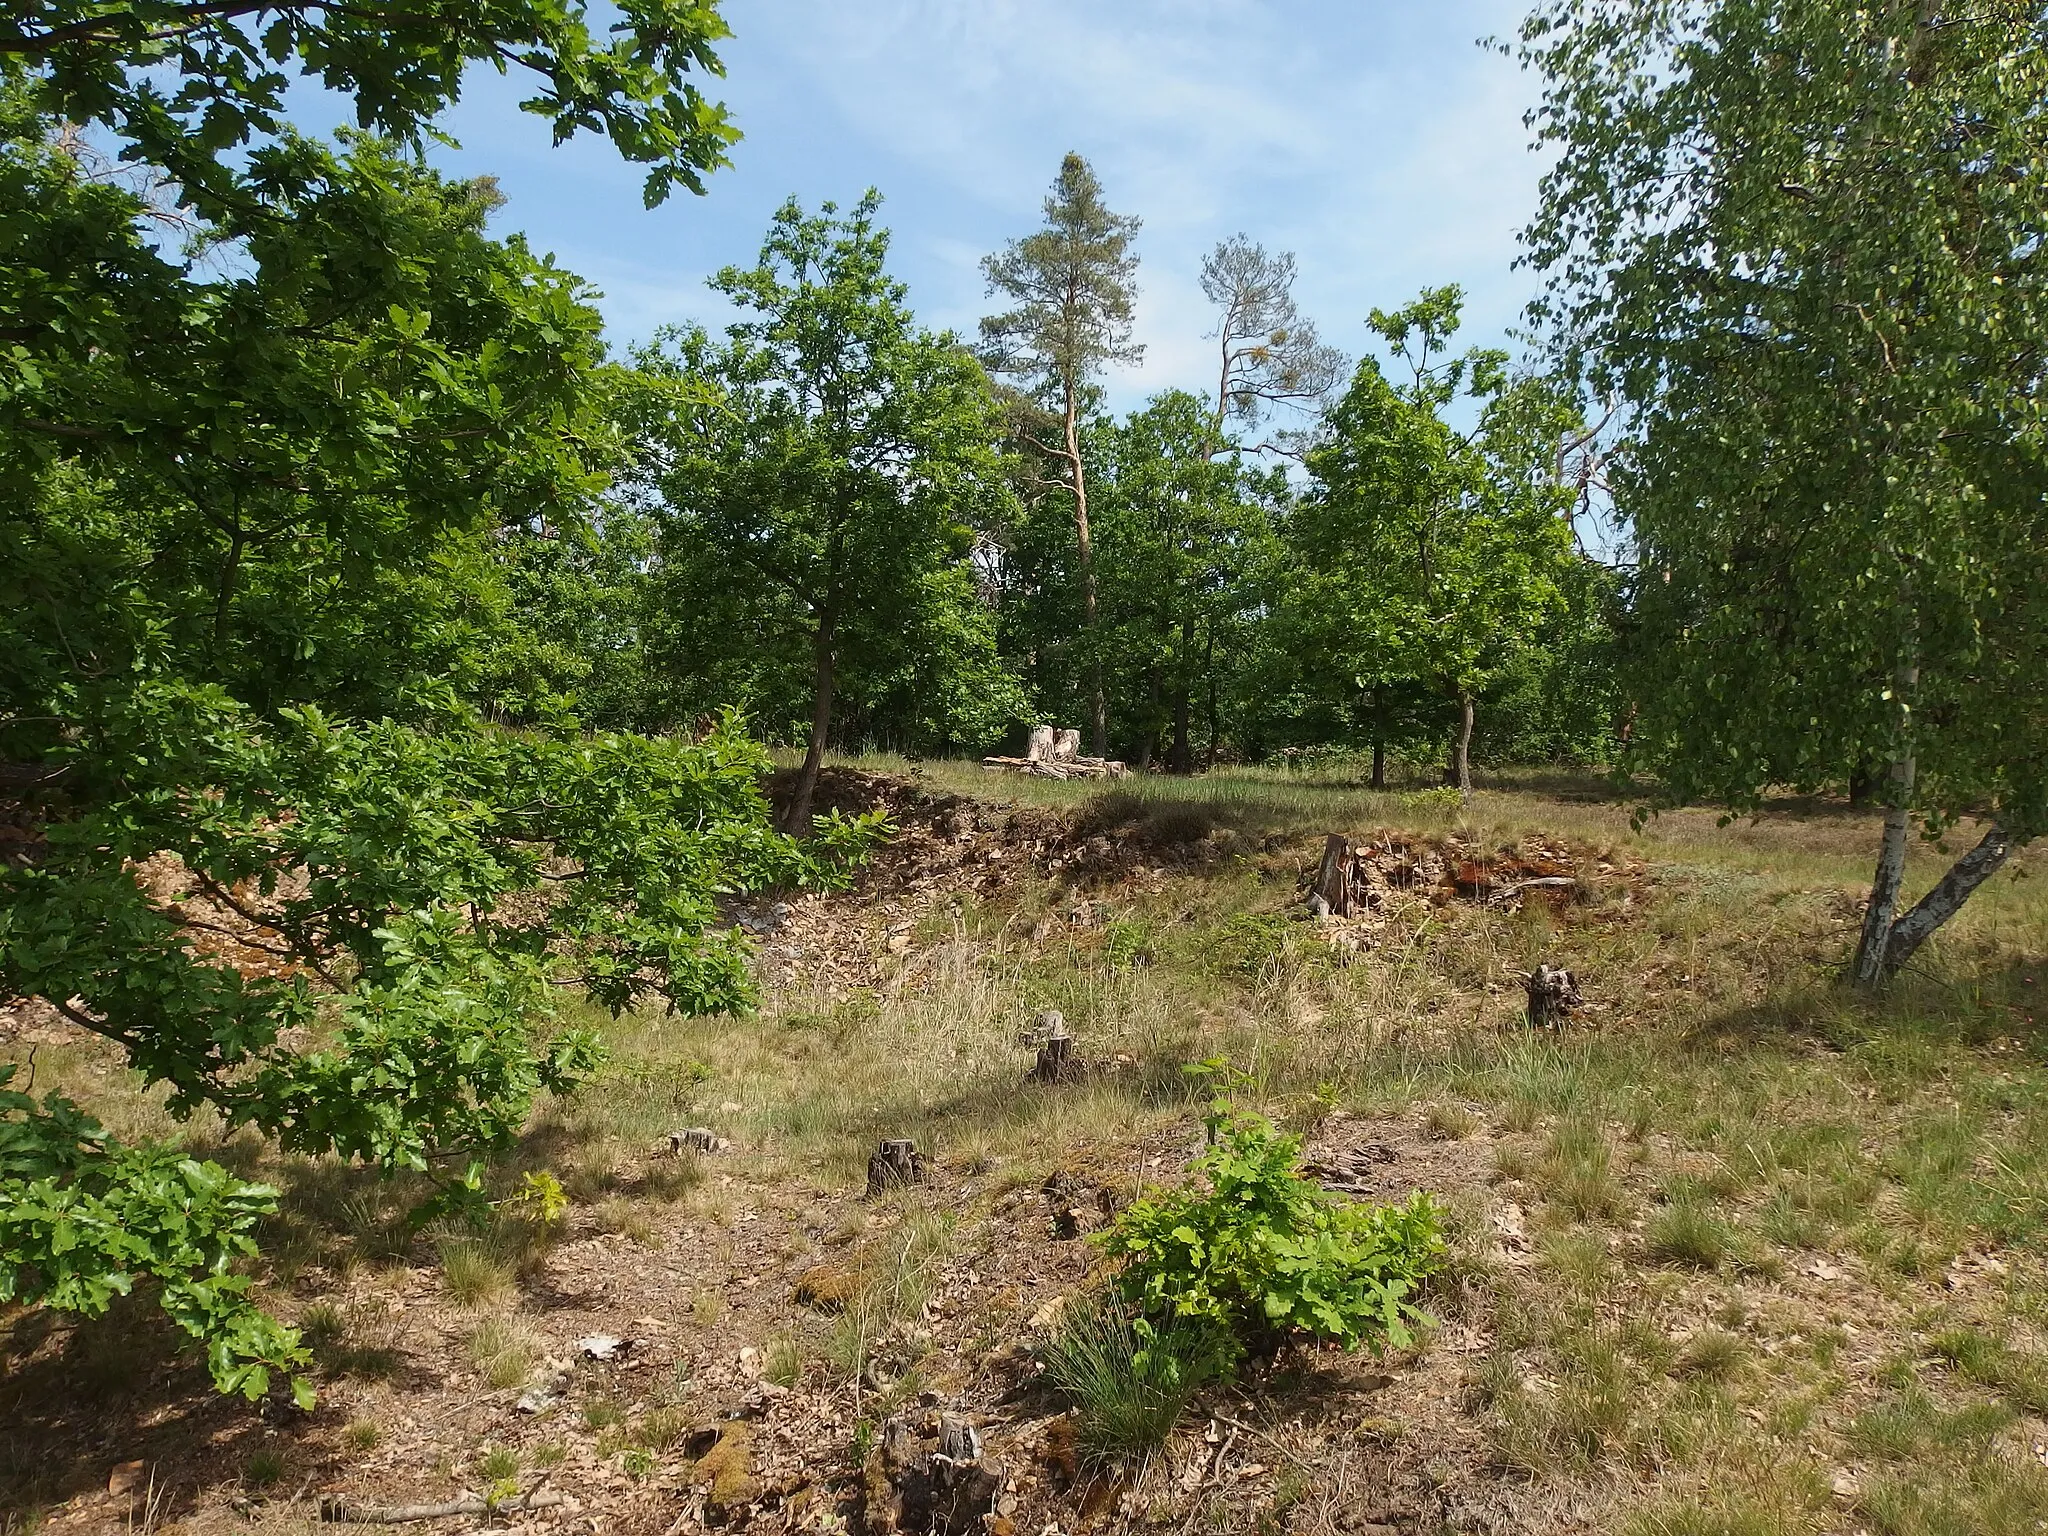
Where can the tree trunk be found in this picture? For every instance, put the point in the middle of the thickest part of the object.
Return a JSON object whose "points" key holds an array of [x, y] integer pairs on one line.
{"points": [[1215, 714], [1182, 759], [797, 819], [1148, 740], [1379, 763], [1869, 968], [1098, 714], [1461, 756], [1942, 903], [1332, 890]]}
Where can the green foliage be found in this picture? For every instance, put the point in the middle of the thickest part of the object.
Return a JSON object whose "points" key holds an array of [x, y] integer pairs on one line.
{"points": [[104, 64], [1262, 1252], [541, 1198], [1425, 557], [1131, 1380], [1073, 285], [273, 492], [832, 456], [1126, 941], [1187, 550], [1800, 243], [83, 1220], [383, 858], [1443, 800]]}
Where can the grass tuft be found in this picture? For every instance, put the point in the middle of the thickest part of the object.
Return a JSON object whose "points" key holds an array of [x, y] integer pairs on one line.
{"points": [[503, 1351], [1130, 1391], [1688, 1234]]}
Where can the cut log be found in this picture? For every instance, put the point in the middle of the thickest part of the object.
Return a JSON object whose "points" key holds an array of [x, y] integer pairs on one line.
{"points": [[1553, 997], [895, 1165], [1508, 893], [1041, 744], [1333, 875], [1048, 768]]}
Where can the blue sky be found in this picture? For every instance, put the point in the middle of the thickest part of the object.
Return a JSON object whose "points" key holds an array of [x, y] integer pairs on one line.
{"points": [[1374, 139]]}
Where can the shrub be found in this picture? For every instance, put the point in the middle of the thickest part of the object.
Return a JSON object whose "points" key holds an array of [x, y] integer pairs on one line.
{"points": [[1262, 1252], [1444, 801]]}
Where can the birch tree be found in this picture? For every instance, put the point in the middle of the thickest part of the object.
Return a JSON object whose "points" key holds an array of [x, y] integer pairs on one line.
{"points": [[1806, 243]]}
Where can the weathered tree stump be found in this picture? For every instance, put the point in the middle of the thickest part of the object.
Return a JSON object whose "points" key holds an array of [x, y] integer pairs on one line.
{"points": [[1333, 878], [1066, 746], [1040, 747], [945, 1491], [1553, 997], [1056, 1062], [698, 1138], [895, 1165]]}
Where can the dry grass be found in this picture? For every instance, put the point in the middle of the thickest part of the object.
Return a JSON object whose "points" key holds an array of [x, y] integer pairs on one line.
{"points": [[1747, 1190]]}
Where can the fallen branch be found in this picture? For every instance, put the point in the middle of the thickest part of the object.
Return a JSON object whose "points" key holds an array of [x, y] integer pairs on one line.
{"points": [[1510, 892], [337, 1511]]}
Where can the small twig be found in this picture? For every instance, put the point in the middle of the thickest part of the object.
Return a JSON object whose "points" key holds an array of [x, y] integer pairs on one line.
{"points": [[1214, 1476], [336, 1511], [1270, 1440]]}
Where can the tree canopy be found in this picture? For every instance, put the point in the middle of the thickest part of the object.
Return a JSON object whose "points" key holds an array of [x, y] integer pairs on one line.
{"points": [[178, 83], [1803, 242], [833, 455], [1430, 556], [262, 837]]}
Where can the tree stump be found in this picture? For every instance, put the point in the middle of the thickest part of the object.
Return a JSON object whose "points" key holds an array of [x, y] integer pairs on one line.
{"points": [[1057, 1062], [1041, 744], [1066, 746], [697, 1138], [895, 1165], [1333, 876], [1553, 996]]}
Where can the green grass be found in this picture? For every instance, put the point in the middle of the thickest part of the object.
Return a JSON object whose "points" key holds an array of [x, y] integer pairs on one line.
{"points": [[503, 1350], [895, 1283], [1129, 1391], [1728, 1165], [1688, 1233], [475, 1273]]}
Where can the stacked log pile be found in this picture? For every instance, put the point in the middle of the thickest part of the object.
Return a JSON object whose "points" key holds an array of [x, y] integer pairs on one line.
{"points": [[1056, 754]]}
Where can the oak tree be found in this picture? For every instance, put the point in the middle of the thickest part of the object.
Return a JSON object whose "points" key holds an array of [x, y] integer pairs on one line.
{"points": [[258, 835], [819, 468], [1428, 554]]}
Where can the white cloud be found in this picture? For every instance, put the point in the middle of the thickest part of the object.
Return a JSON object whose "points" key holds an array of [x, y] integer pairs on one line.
{"points": [[1374, 140]]}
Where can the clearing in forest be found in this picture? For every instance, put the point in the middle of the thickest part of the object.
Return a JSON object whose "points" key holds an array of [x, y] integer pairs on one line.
{"points": [[1737, 1251]]}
